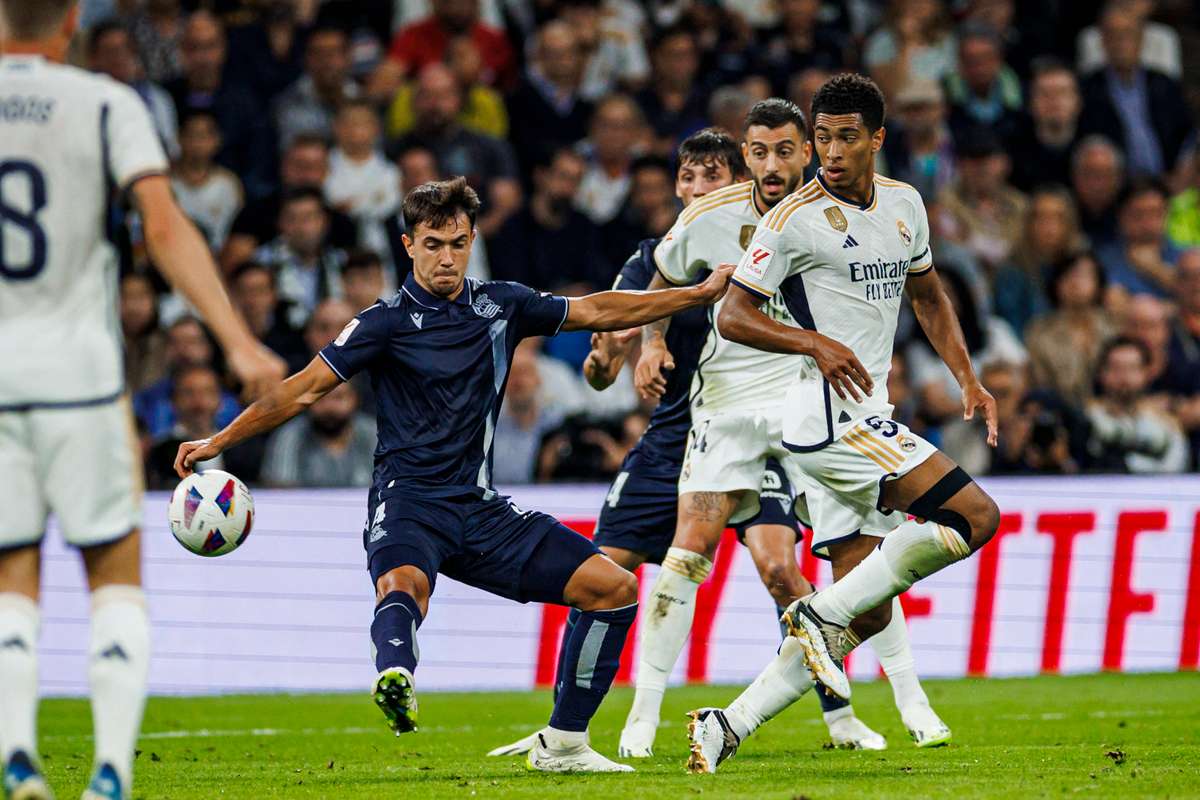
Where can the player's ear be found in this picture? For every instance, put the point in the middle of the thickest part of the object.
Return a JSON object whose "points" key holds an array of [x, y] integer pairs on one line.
{"points": [[806, 151], [877, 139], [408, 245], [71, 22]]}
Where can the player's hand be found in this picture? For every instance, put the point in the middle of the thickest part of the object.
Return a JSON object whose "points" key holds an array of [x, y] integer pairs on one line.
{"points": [[608, 348], [649, 376], [192, 452], [257, 368], [715, 285], [974, 396], [841, 368]]}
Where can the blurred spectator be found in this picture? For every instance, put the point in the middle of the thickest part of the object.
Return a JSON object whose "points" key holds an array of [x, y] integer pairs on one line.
{"points": [[246, 144], [648, 213], [487, 163], [965, 441], [987, 214], [1160, 48], [523, 422], [672, 102], [725, 43], [145, 342], [548, 243], [1141, 260], [268, 53], [209, 194], [361, 182], [326, 322], [305, 165], [417, 165], [1183, 212], [900, 390], [928, 160], [1097, 175], [1065, 344], [363, 280], [187, 345], [615, 131], [491, 12], [989, 340], [333, 444], [307, 268], [254, 293], [1182, 378], [110, 51], [1129, 433], [157, 29], [547, 110], [915, 42], [309, 105], [482, 108], [1051, 235], [983, 90], [613, 53], [801, 41], [1142, 109], [420, 44], [803, 86], [1147, 320], [1041, 150], [727, 108]]}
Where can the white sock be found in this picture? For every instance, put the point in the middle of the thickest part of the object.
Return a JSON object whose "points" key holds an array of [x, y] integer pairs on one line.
{"points": [[19, 619], [665, 626], [895, 656], [118, 662], [564, 740], [912, 551], [783, 682]]}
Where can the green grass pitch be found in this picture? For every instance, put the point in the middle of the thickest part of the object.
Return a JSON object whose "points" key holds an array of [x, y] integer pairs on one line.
{"points": [[1090, 736]]}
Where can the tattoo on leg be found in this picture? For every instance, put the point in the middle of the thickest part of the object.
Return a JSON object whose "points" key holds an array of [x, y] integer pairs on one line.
{"points": [[707, 506]]}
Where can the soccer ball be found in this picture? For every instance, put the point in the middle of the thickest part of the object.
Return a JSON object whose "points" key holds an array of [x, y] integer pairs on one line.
{"points": [[211, 512]]}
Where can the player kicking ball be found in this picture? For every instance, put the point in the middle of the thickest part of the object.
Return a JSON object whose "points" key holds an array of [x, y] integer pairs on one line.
{"points": [[841, 252], [438, 353]]}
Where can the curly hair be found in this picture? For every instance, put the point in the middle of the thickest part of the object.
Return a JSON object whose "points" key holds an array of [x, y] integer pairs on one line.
{"points": [[851, 93]]}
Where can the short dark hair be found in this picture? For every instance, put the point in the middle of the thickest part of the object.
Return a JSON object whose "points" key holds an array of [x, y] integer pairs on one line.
{"points": [[1143, 184], [308, 140], [1116, 343], [193, 113], [851, 93], [362, 259], [301, 193], [712, 144], [28, 20], [670, 32], [102, 29], [775, 112], [438, 202], [1046, 65], [651, 162], [1060, 268], [246, 267]]}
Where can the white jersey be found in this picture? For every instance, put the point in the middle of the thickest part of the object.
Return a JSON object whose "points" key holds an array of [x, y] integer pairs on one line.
{"points": [[68, 140], [711, 231], [841, 268]]}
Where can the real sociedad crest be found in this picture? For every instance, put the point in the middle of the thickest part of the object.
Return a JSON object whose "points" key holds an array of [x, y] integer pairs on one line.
{"points": [[484, 307]]}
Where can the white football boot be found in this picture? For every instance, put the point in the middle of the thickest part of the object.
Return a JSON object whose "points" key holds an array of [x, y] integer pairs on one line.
{"points": [[819, 640], [710, 740], [556, 752], [518, 748], [851, 733], [637, 738], [925, 726]]}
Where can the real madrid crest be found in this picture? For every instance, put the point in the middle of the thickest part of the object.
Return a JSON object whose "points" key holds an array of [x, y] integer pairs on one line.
{"points": [[745, 235], [902, 229], [837, 219]]}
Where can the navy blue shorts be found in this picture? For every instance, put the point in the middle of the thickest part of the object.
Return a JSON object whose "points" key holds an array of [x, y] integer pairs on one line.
{"points": [[641, 509], [490, 544]]}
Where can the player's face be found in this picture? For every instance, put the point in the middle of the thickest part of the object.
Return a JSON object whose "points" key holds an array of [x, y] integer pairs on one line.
{"points": [[695, 179], [776, 158], [440, 255], [846, 150]]}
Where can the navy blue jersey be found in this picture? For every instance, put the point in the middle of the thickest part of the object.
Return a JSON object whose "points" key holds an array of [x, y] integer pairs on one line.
{"points": [[666, 436], [438, 369]]}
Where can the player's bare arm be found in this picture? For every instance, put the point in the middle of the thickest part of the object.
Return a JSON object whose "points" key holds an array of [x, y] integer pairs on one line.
{"points": [[937, 318], [618, 310], [649, 375], [184, 260], [741, 321], [277, 406], [607, 356]]}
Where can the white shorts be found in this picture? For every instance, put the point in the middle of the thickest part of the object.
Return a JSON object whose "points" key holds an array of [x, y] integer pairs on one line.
{"points": [[728, 453], [80, 463], [850, 472]]}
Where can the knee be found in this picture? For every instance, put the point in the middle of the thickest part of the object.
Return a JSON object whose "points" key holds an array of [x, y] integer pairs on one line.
{"points": [[617, 590], [985, 520], [696, 540], [408, 580], [783, 581]]}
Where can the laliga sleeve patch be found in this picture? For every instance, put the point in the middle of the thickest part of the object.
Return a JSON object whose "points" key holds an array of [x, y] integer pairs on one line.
{"points": [[756, 260], [346, 331]]}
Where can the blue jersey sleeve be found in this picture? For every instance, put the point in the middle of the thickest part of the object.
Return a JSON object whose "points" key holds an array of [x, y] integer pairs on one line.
{"points": [[362, 341], [538, 313], [639, 269]]}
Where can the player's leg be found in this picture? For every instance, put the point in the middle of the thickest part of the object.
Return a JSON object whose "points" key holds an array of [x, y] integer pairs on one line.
{"points": [[404, 581]]}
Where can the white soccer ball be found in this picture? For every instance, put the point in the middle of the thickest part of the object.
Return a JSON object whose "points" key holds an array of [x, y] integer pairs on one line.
{"points": [[211, 512]]}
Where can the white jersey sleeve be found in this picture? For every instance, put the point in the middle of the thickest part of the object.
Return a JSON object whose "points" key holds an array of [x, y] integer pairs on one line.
{"points": [[922, 254], [676, 255], [134, 149], [774, 253]]}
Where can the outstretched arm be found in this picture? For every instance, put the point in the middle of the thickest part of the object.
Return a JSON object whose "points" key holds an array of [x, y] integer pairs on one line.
{"points": [[936, 315], [741, 321], [616, 310], [277, 406], [609, 351], [649, 376]]}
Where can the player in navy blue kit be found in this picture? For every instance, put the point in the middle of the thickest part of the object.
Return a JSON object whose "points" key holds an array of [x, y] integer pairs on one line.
{"points": [[438, 354]]}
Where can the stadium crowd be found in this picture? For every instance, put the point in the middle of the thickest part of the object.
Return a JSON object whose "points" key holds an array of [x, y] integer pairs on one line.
{"points": [[1052, 141]]}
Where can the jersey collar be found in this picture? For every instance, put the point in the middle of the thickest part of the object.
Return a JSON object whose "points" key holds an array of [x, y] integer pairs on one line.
{"points": [[430, 300], [846, 200]]}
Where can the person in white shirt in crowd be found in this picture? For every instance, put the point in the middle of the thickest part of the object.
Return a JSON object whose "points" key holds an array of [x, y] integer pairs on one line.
{"points": [[331, 445], [1160, 49], [307, 268], [110, 51], [361, 182], [525, 419], [617, 130], [207, 192]]}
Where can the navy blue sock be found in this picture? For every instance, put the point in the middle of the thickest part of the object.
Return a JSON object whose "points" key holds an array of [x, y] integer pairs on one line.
{"points": [[572, 618], [828, 702], [394, 632], [589, 664]]}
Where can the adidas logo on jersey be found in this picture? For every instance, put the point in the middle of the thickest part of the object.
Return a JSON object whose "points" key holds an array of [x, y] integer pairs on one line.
{"points": [[850, 242]]}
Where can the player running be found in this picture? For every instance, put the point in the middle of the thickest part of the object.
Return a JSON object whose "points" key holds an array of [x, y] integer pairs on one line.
{"points": [[735, 399], [637, 520], [69, 142], [841, 252], [438, 354]]}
